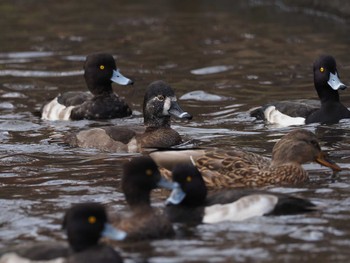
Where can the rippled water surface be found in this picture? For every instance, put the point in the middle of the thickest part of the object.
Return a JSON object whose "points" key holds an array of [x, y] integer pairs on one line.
{"points": [[223, 58]]}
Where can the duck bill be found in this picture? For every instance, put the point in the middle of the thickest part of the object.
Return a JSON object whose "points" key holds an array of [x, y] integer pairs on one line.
{"points": [[335, 82], [176, 195], [118, 78], [164, 183], [113, 233], [322, 160], [176, 111]]}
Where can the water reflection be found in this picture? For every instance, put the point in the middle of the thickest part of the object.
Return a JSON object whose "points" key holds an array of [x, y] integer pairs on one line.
{"points": [[255, 52]]}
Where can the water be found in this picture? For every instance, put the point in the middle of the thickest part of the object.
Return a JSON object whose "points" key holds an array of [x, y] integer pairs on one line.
{"points": [[236, 55]]}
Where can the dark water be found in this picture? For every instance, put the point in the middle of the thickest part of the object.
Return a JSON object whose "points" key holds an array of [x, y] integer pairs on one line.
{"points": [[244, 52]]}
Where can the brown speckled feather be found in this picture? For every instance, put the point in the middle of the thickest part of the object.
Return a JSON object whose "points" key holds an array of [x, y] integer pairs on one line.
{"points": [[236, 168]]}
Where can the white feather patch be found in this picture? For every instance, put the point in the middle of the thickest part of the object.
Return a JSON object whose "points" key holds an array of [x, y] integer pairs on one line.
{"points": [[166, 107], [54, 111], [274, 116], [242, 209]]}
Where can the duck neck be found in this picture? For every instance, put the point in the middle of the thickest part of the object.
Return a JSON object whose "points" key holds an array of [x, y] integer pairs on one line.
{"points": [[157, 122], [326, 93], [99, 89], [82, 242], [137, 200]]}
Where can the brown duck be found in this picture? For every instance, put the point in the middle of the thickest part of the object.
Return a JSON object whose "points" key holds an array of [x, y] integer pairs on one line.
{"points": [[140, 177], [237, 168]]}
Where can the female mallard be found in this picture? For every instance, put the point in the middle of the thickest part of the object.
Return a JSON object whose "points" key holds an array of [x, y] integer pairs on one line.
{"points": [[237, 168]]}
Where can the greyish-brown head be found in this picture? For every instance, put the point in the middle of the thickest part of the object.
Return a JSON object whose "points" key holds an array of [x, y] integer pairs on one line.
{"points": [[300, 146]]}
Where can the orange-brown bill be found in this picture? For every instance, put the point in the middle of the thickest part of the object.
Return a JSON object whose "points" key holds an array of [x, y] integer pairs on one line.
{"points": [[322, 159]]}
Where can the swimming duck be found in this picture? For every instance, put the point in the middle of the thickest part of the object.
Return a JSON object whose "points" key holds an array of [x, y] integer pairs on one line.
{"points": [[194, 206], [100, 103], [331, 110], [159, 105], [140, 177], [85, 224], [237, 168]]}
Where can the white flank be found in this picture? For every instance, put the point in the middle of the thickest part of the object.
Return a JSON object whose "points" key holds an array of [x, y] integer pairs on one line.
{"points": [[274, 116], [54, 111], [242, 209], [14, 258]]}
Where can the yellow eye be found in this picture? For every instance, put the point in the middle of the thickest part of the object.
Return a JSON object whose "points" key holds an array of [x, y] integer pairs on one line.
{"points": [[92, 219], [149, 172], [102, 67], [160, 97], [189, 179], [321, 69]]}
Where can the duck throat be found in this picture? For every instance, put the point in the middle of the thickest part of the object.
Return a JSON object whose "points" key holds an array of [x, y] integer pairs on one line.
{"points": [[100, 89], [157, 122], [326, 93], [137, 199]]}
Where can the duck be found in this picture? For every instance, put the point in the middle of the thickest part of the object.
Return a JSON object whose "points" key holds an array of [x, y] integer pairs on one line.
{"points": [[159, 105], [100, 102], [195, 205], [328, 110], [85, 224], [237, 168], [140, 177]]}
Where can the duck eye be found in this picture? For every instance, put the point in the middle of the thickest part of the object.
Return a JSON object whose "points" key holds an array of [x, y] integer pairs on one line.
{"points": [[188, 179], [102, 67], [149, 172], [321, 69], [92, 219], [160, 97], [315, 144]]}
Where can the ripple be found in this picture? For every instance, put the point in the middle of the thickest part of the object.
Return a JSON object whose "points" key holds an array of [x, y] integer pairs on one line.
{"points": [[38, 73], [200, 95], [26, 54], [211, 70]]}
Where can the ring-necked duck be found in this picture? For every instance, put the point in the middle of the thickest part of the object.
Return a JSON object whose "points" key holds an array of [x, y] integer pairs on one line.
{"points": [[159, 105], [140, 177], [100, 103], [195, 206], [85, 224], [327, 84], [237, 168]]}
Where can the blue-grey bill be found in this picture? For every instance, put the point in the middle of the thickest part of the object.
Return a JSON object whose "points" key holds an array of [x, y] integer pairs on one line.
{"points": [[118, 78], [176, 196], [176, 111], [335, 82], [113, 233], [164, 183]]}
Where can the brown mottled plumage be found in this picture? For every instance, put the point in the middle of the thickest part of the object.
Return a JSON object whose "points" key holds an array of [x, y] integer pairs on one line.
{"points": [[237, 168]]}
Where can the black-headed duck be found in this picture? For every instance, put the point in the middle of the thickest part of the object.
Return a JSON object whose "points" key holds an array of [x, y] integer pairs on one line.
{"points": [[85, 224], [140, 177], [159, 105], [331, 110], [100, 102], [237, 168], [195, 206]]}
